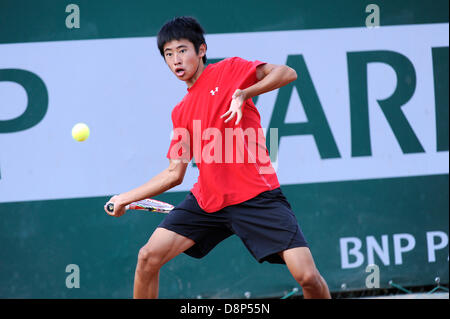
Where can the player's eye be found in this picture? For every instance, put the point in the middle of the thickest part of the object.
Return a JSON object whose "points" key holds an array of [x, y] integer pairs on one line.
{"points": [[182, 50], [168, 54]]}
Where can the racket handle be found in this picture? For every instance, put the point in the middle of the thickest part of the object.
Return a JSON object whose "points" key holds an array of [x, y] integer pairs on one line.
{"points": [[110, 207]]}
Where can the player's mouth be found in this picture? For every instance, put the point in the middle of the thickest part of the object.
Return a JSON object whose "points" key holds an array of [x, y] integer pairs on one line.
{"points": [[179, 72]]}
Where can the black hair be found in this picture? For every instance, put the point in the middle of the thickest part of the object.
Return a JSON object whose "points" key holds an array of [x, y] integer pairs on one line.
{"points": [[181, 28]]}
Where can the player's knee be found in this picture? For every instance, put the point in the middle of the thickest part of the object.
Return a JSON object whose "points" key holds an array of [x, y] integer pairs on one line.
{"points": [[308, 279], [148, 260]]}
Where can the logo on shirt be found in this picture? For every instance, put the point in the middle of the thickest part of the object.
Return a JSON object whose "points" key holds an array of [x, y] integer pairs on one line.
{"points": [[213, 92]]}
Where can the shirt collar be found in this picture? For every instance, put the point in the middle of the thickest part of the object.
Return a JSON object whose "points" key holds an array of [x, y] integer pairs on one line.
{"points": [[200, 78]]}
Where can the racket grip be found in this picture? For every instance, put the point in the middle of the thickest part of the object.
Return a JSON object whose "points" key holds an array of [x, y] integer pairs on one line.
{"points": [[110, 207]]}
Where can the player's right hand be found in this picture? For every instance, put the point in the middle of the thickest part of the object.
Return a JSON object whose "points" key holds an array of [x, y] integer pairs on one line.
{"points": [[119, 208], [237, 100]]}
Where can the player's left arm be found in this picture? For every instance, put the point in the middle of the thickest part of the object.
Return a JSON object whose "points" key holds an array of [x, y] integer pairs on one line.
{"points": [[269, 77]]}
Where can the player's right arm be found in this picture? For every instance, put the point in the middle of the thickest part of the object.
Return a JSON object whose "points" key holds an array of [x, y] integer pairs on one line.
{"points": [[167, 179]]}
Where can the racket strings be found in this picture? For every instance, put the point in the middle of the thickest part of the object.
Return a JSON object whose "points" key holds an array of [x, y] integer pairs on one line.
{"points": [[153, 205]]}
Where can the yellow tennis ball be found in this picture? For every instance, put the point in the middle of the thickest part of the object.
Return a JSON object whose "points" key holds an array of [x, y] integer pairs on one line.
{"points": [[80, 132]]}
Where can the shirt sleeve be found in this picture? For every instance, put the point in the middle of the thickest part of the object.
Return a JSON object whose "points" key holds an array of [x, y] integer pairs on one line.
{"points": [[245, 71], [180, 142]]}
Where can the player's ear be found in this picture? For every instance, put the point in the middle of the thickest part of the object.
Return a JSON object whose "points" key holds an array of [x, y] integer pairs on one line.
{"points": [[202, 50]]}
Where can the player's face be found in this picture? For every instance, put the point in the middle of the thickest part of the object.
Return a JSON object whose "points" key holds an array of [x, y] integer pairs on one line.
{"points": [[182, 59]]}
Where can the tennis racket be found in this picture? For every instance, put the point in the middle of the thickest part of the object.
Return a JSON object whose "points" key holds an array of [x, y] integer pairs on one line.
{"points": [[150, 205]]}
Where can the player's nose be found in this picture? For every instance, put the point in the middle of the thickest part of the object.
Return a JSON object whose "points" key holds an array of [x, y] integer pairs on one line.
{"points": [[176, 59]]}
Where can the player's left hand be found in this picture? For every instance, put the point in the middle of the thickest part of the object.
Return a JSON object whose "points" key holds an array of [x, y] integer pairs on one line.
{"points": [[119, 208], [237, 100]]}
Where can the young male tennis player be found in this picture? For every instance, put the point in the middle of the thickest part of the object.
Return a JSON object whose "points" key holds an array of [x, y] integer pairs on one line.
{"points": [[237, 192]]}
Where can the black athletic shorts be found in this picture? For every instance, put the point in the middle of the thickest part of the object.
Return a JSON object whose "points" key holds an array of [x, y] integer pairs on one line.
{"points": [[266, 224]]}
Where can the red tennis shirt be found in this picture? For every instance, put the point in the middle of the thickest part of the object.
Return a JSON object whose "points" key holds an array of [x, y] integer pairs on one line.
{"points": [[233, 160]]}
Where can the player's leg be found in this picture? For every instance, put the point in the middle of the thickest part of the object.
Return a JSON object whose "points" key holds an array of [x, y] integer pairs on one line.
{"points": [[162, 246], [186, 229], [270, 231], [301, 265]]}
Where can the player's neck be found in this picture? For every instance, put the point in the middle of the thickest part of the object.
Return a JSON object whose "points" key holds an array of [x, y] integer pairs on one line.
{"points": [[196, 75]]}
